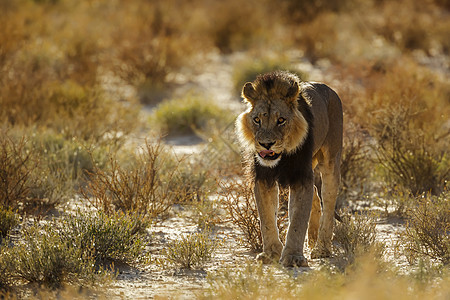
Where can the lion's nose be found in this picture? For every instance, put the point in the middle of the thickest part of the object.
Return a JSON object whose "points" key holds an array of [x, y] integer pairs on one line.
{"points": [[267, 145]]}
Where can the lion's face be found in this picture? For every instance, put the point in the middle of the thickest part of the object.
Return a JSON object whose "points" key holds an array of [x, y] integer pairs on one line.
{"points": [[272, 126]]}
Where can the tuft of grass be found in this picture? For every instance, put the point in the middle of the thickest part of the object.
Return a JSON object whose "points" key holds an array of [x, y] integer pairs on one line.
{"points": [[356, 236], [188, 115], [191, 251], [427, 229], [8, 220]]}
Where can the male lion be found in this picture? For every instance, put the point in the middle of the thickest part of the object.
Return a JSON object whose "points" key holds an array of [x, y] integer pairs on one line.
{"points": [[291, 131]]}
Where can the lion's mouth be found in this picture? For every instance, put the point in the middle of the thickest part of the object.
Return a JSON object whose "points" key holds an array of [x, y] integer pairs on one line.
{"points": [[269, 154]]}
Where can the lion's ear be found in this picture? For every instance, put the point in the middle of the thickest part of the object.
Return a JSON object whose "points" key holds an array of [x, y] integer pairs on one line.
{"points": [[292, 92], [249, 92]]}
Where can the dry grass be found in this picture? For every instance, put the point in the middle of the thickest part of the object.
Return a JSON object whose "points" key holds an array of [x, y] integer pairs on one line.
{"points": [[427, 228], [239, 201], [63, 117], [368, 280], [144, 188], [355, 236], [409, 108]]}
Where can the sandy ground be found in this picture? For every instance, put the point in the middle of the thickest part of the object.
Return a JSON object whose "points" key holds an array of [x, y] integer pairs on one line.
{"points": [[156, 281]]}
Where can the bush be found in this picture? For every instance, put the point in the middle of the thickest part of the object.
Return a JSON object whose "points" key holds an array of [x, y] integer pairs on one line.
{"points": [[8, 220], [188, 115], [356, 236], [16, 165], [410, 162], [427, 229], [43, 257], [409, 106], [356, 162], [206, 213], [113, 237], [41, 170], [191, 251], [144, 188], [71, 250]]}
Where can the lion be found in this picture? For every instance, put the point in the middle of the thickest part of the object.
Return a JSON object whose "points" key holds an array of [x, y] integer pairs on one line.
{"points": [[291, 132]]}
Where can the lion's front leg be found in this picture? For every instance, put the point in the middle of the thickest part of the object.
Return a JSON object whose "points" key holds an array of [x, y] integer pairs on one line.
{"points": [[300, 201], [267, 204]]}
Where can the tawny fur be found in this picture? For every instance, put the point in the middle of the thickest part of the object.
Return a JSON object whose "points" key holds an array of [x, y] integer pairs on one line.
{"points": [[292, 121]]}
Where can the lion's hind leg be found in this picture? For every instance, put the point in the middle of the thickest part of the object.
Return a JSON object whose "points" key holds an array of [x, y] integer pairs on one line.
{"points": [[330, 186], [313, 226]]}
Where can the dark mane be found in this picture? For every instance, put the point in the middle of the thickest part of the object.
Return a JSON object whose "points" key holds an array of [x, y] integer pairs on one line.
{"points": [[293, 168]]}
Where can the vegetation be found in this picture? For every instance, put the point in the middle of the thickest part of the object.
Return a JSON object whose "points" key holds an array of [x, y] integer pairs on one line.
{"points": [[191, 251], [427, 228], [356, 236], [8, 220], [85, 86], [189, 115], [142, 188], [71, 249], [370, 279]]}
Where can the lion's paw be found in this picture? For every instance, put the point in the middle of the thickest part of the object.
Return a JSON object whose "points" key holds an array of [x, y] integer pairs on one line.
{"points": [[266, 258], [320, 252], [294, 260]]}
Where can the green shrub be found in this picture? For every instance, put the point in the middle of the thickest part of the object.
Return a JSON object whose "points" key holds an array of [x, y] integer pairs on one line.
{"points": [[427, 229], [191, 251], [8, 220], [43, 257], [107, 237], [71, 249], [189, 114]]}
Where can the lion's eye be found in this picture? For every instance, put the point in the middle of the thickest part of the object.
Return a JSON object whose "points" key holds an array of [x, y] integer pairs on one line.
{"points": [[281, 121], [256, 120]]}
